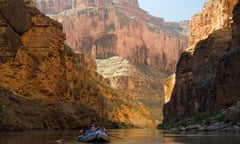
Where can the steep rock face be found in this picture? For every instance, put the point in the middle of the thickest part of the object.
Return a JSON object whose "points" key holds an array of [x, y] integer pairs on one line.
{"points": [[169, 84], [236, 26], [56, 6], [124, 30], [143, 83], [215, 15], [45, 85], [228, 71], [194, 90], [107, 32], [207, 74]]}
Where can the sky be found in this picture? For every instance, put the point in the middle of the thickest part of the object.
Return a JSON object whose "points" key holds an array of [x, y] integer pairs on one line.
{"points": [[172, 10]]}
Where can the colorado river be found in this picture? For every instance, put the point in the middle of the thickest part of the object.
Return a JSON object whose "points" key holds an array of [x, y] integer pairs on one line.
{"points": [[123, 136]]}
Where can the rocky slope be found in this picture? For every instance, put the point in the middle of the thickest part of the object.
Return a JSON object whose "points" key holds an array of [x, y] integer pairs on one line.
{"points": [[45, 85], [143, 83], [103, 29], [207, 73]]}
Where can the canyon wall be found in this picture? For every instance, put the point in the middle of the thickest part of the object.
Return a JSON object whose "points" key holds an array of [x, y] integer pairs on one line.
{"points": [[121, 28], [45, 85], [104, 29], [207, 72], [215, 15]]}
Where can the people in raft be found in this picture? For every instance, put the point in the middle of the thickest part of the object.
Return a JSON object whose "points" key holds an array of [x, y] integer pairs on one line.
{"points": [[91, 130]]}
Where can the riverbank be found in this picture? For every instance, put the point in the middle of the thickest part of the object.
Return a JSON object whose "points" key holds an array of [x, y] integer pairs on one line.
{"points": [[225, 120]]}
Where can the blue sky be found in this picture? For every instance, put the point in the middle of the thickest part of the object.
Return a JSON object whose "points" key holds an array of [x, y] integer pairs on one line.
{"points": [[172, 10]]}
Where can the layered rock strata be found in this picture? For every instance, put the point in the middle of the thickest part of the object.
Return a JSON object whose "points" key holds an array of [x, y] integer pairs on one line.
{"points": [[143, 83], [121, 28], [207, 74], [56, 6], [45, 85], [215, 15]]}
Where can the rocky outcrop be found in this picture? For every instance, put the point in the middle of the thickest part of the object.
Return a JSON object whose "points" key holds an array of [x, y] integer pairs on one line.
{"points": [[143, 83], [169, 84], [121, 28], [207, 74], [215, 15], [45, 85]]}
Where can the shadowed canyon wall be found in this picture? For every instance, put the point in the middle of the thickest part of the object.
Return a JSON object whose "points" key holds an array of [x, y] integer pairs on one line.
{"points": [[207, 72], [45, 85]]}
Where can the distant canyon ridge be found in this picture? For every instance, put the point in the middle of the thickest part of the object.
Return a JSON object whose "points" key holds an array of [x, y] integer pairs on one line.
{"points": [[106, 28]]}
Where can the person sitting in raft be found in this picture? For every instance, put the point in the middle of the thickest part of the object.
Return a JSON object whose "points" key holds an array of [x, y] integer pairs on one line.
{"points": [[81, 132], [93, 128]]}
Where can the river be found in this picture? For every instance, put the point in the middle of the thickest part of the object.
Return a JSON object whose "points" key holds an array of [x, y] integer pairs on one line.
{"points": [[122, 136]]}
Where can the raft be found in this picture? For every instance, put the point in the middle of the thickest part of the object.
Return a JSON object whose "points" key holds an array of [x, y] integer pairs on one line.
{"points": [[93, 136]]}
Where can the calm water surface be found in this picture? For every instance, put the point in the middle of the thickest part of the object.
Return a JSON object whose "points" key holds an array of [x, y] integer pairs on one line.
{"points": [[132, 136]]}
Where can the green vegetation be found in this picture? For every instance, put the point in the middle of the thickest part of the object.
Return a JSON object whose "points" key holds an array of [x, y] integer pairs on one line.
{"points": [[202, 118]]}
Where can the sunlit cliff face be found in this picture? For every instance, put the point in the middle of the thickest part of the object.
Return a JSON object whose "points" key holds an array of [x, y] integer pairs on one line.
{"points": [[215, 15], [125, 31]]}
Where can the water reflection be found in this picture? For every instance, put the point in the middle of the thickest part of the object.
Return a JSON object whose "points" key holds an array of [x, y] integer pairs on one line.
{"points": [[127, 136]]}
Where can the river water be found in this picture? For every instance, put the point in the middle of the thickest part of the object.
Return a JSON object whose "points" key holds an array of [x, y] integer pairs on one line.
{"points": [[123, 136]]}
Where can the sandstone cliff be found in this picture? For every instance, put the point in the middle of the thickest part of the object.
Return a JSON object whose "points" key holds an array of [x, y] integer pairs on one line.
{"points": [[45, 85], [109, 28], [169, 84], [56, 6], [207, 73], [215, 15], [143, 83]]}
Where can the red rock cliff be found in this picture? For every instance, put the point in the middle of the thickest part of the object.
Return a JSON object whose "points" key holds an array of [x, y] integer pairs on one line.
{"points": [[56, 6], [207, 73], [121, 28]]}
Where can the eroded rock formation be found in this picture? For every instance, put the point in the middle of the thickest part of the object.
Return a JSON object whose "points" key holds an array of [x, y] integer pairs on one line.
{"points": [[57, 6], [215, 15], [106, 29], [169, 84], [143, 83], [207, 73], [45, 85]]}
